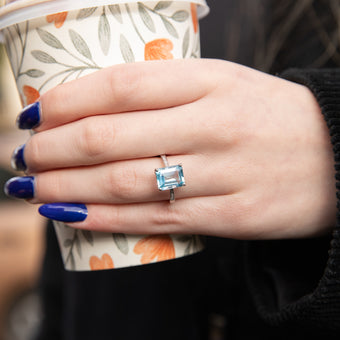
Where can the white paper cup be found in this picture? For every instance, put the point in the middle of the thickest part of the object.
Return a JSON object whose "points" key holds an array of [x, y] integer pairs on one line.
{"points": [[47, 47]]}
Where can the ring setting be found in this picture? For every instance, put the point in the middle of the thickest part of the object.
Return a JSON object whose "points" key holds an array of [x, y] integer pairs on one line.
{"points": [[169, 177]]}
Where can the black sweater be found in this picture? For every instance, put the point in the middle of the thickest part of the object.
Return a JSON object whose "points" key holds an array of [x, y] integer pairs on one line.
{"points": [[319, 307]]}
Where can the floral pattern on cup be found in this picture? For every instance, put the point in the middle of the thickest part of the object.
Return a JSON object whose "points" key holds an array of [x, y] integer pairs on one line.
{"points": [[57, 48], [147, 14], [58, 19], [31, 94], [105, 262], [155, 247], [159, 49]]}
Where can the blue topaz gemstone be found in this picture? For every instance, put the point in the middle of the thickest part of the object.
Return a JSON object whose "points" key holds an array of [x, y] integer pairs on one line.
{"points": [[170, 177]]}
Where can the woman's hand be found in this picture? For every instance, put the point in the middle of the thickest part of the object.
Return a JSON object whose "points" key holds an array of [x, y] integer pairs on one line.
{"points": [[255, 151]]}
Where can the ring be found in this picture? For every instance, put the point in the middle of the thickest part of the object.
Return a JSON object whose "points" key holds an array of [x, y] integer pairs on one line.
{"points": [[169, 177]]}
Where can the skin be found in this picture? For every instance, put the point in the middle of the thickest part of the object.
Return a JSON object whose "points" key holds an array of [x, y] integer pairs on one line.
{"points": [[255, 151]]}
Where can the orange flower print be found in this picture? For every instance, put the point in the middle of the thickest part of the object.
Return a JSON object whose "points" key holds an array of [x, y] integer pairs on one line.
{"points": [[58, 18], [31, 94], [159, 49], [105, 262], [156, 246], [193, 8]]}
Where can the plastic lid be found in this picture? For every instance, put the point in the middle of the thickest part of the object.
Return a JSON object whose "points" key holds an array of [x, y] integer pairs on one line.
{"points": [[15, 11]]}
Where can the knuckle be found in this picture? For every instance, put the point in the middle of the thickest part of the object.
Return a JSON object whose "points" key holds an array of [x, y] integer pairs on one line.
{"points": [[110, 221], [122, 183], [245, 216], [241, 210], [115, 218], [96, 137], [217, 132], [122, 84], [49, 187], [166, 216], [33, 153], [221, 128], [57, 99], [230, 130]]}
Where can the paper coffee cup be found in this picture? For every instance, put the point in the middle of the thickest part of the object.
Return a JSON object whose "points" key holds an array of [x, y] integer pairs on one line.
{"points": [[52, 42]]}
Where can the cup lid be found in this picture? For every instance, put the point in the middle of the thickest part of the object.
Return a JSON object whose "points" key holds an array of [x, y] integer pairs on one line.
{"points": [[15, 11]]}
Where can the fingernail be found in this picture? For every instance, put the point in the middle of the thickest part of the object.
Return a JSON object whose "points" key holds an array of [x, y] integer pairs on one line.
{"points": [[64, 212], [29, 117], [20, 187], [18, 161]]}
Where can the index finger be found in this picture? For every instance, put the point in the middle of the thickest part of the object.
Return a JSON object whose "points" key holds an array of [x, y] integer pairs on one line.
{"points": [[122, 88]]}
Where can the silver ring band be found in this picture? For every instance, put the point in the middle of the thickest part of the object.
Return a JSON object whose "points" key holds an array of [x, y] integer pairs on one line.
{"points": [[165, 160], [166, 164], [172, 196]]}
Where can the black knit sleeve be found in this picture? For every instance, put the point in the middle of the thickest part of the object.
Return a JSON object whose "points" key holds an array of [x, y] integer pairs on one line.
{"points": [[297, 283]]}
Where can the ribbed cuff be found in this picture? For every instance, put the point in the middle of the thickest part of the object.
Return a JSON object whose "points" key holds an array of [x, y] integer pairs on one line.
{"points": [[321, 308], [324, 306]]}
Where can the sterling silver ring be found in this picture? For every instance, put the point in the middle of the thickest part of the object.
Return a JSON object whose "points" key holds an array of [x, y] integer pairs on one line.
{"points": [[169, 177]]}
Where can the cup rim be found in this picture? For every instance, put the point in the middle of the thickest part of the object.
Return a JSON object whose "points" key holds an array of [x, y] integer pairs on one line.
{"points": [[22, 10]]}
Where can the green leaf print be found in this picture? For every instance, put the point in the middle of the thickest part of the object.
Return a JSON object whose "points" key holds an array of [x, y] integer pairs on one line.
{"points": [[104, 33], [162, 5], [34, 73], [49, 39], [78, 245], [88, 236], [146, 18], [121, 243], [180, 16], [80, 44], [170, 27], [186, 40], [126, 50], [68, 243], [116, 12], [73, 262], [86, 12], [43, 57]]}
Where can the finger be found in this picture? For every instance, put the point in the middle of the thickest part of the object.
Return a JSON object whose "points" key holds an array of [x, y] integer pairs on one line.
{"points": [[214, 215], [129, 181], [102, 139], [122, 88], [231, 216]]}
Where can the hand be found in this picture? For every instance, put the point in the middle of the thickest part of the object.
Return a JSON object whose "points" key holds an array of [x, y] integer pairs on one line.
{"points": [[255, 151]]}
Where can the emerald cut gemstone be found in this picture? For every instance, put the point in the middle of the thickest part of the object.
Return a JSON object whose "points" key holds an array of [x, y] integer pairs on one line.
{"points": [[170, 177]]}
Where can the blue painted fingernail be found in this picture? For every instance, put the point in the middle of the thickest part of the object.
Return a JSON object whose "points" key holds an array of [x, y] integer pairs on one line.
{"points": [[18, 161], [29, 117], [20, 187], [64, 212]]}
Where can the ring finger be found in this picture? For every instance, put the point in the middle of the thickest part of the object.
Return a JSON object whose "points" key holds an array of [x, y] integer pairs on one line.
{"points": [[126, 182]]}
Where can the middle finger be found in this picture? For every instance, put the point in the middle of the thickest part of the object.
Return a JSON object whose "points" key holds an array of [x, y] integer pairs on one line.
{"points": [[101, 139]]}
